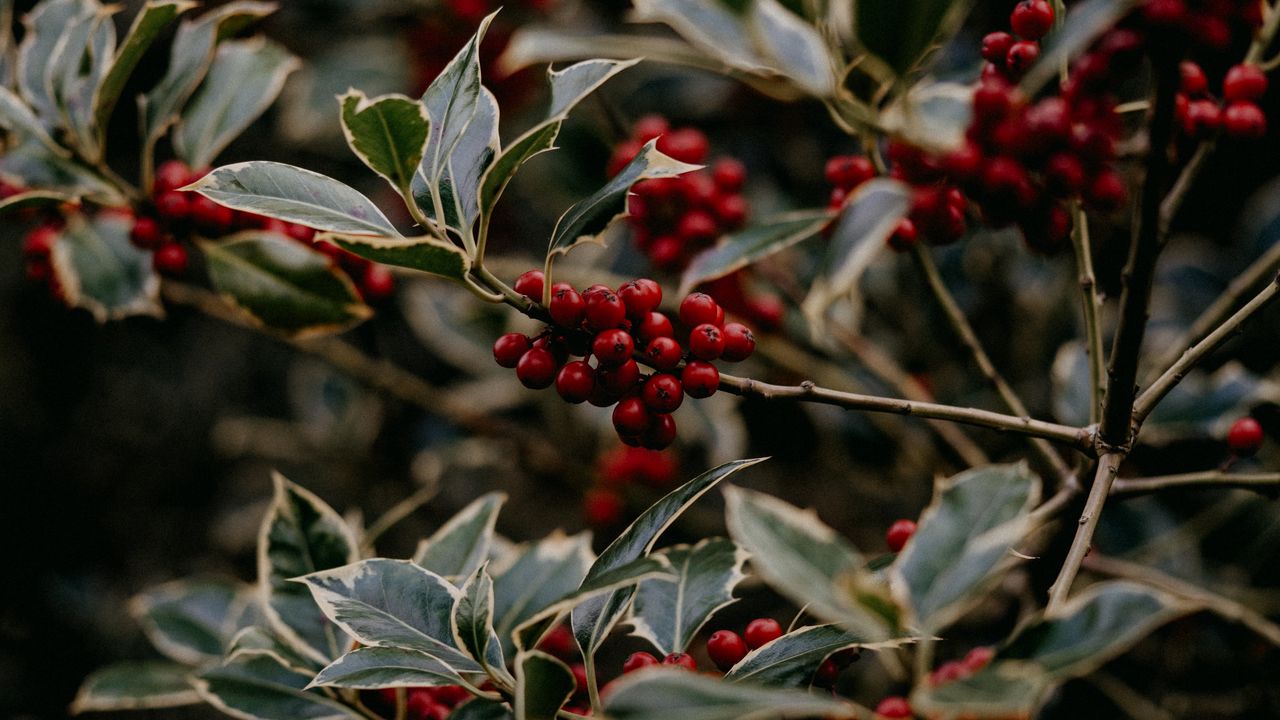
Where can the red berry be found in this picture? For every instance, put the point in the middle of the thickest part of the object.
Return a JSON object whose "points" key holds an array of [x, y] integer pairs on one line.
{"points": [[1193, 81], [170, 175], [978, 658], [559, 642], [211, 217], [761, 632], [605, 310], [38, 268], [700, 379], [1031, 19], [508, 349], [739, 343], [39, 242], [575, 381], [696, 227], [663, 393], [706, 342], [731, 210], [170, 259], [1244, 121], [579, 671], [1022, 55], [683, 660], [419, 705], [827, 673], [964, 163], [1244, 82], [654, 325], [1201, 119], [612, 347], [301, 233], [904, 235], [686, 145], [991, 103], [637, 660], [631, 416], [641, 297], [948, 672], [663, 353], [173, 206], [661, 433], [601, 506], [1245, 437], [995, 46], [567, 307], [899, 533], [1106, 192], [666, 252], [536, 368], [699, 308], [729, 174], [377, 282], [146, 232], [726, 648], [697, 188], [893, 707], [649, 127], [619, 380], [530, 284], [1064, 174]]}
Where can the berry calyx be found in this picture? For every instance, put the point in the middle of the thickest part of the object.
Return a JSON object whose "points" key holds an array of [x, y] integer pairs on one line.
{"points": [[899, 533], [761, 632], [726, 648], [684, 660], [1245, 437]]}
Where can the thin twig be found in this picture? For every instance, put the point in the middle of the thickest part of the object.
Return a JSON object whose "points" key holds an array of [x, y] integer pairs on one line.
{"points": [[1194, 354], [1108, 466], [1080, 439], [398, 512], [962, 328], [1090, 305], [1128, 700], [1261, 482]]}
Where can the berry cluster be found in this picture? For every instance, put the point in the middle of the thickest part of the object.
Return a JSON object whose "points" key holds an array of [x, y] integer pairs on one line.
{"points": [[952, 670], [1238, 116], [673, 218], [726, 648], [602, 505], [614, 328], [1210, 25], [1010, 56], [422, 703]]}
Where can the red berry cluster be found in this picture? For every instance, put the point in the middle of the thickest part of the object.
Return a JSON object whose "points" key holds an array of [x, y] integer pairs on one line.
{"points": [[422, 703], [1010, 56], [603, 504], [614, 328], [1200, 116], [1211, 25], [446, 27], [952, 670], [37, 249], [1245, 437], [726, 648], [674, 218]]}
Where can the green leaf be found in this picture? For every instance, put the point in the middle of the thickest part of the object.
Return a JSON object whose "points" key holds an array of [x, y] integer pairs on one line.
{"points": [[425, 253], [473, 622], [753, 244], [540, 574], [804, 560], [78, 67], [39, 167], [543, 686], [392, 603], [708, 25], [294, 195], [669, 614], [932, 115], [135, 686], [243, 80], [256, 640], [193, 49], [35, 199], [664, 694], [372, 668], [478, 709], [461, 545], [282, 284], [791, 660], [388, 133], [1083, 24], [794, 47], [592, 620], [1001, 690], [901, 34], [867, 221], [100, 270], [187, 620], [153, 18], [587, 219], [43, 31], [568, 87], [300, 535], [18, 118], [964, 542], [261, 687]]}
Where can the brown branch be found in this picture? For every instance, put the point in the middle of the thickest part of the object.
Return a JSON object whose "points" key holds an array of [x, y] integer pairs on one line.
{"points": [[1212, 479]]}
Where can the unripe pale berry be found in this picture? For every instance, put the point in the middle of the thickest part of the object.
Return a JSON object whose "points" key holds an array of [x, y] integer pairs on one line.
{"points": [[536, 368], [726, 648], [899, 533], [761, 632], [700, 379]]}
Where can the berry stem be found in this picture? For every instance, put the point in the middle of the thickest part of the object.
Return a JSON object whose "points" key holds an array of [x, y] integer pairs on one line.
{"points": [[1152, 396], [1108, 466], [964, 330], [593, 687], [1080, 439], [1090, 303], [1259, 482]]}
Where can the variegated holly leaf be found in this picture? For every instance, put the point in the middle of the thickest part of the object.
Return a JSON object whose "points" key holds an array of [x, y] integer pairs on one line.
{"points": [[294, 195], [461, 545], [669, 614], [588, 219], [36, 166], [18, 118], [189, 621], [283, 285], [388, 133], [135, 686], [373, 668], [473, 622], [463, 139], [964, 542], [36, 199], [77, 67], [300, 535], [793, 46], [193, 48], [807, 561], [664, 694], [244, 78], [43, 29], [480, 709], [932, 115], [708, 25], [540, 574], [256, 639], [262, 687], [147, 25], [568, 87], [100, 270], [425, 253], [753, 244], [392, 603], [543, 686], [866, 222], [593, 619], [791, 660]]}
